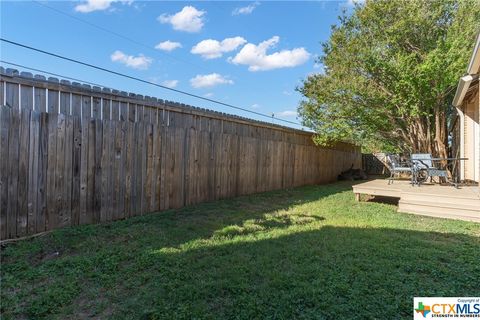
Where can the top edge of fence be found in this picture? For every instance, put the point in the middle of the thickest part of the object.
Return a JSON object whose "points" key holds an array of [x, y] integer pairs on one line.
{"points": [[182, 107]]}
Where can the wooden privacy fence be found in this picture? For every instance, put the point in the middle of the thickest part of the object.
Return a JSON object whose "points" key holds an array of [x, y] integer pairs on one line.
{"points": [[374, 164], [73, 155]]}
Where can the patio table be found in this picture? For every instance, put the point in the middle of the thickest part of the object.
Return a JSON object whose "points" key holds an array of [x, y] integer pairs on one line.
{"points": [[454, 179]]}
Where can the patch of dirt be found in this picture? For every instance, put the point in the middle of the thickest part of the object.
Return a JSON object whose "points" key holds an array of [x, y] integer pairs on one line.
{"points": [[43, 256], [85, 308]]}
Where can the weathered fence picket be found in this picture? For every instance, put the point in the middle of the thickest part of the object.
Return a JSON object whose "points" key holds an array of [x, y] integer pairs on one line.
{"points": [[71, 155]]}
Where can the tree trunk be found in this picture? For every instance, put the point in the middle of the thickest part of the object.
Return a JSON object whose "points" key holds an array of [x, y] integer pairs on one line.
{"points": [[441, 137]]}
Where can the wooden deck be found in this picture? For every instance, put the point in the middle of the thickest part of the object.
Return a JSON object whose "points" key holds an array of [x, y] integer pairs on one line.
{"points": [[428, 199]]}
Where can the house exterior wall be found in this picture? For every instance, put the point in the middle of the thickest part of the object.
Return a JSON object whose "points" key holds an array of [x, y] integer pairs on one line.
{"points": [[467, 103], [471, 139]]}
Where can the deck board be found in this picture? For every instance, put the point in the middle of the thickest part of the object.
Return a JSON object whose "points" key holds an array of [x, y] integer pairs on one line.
{"points": [[428, 199]]}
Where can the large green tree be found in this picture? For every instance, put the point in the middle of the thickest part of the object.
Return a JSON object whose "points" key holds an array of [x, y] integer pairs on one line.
{"points": [[390, 73]]}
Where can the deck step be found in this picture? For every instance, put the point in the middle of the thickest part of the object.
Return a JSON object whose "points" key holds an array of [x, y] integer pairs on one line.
{"points": [[443, 202], [377, 191], [451, 198], [428, 199], [434, 209]]}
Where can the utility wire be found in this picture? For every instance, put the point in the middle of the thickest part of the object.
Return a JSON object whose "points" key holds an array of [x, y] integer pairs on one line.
{"points": [[117, 34], [74, 79], [145, 81], [52, 74]]}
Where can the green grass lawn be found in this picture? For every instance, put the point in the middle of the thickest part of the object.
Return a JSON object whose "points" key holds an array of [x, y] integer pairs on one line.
{"points": [[307, 253]]}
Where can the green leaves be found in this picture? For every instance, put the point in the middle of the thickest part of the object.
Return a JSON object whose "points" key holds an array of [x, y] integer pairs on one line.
{"points": [[391, 67]]}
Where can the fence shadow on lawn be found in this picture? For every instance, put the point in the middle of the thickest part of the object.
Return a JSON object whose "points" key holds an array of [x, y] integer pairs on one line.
{"points": [[127, 240], [209, 260], [330, 273], [202, 220]]}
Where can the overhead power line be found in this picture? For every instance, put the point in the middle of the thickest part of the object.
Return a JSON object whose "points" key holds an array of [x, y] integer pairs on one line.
{"points": [[117, 34], [145, 81], [52, 73]]}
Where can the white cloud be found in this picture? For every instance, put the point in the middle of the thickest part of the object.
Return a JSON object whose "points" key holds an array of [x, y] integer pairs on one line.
{"points": [[319, 68], [170, 83], [97, 5], [286, 92], [168, 45], [352, 3], [257, 59], [209, 80], [287, 113], [317, 64], [139, 62], [245, 10], [255, 106], [211, 49], [154, 79], [189, 19], [208, 95]]}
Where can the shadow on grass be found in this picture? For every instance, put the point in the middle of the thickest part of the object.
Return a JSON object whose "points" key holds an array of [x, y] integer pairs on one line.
{"points": [[238, 259], [97, 245], [329, 273], [160, 227]]}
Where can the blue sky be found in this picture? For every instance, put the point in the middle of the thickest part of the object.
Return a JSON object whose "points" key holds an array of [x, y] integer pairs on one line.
{"points": [[249, 54]]}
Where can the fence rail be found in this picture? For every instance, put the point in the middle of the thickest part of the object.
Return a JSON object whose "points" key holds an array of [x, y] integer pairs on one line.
{"points": [[61, 167]]}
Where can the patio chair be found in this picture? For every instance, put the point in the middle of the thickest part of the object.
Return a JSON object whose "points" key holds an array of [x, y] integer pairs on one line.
{"points": [[396, 167], [425, 168]]}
